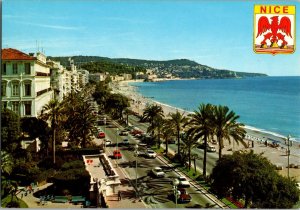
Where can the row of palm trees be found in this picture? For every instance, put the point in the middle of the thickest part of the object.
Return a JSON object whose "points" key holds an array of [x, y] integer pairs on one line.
{"points": [[203, 125], [72, 119]]}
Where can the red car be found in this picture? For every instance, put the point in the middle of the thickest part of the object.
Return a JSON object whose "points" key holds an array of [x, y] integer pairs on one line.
{"points": [[101, 135], [117, 154], [135, 132]]}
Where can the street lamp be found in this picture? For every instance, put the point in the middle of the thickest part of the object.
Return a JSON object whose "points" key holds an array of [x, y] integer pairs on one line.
{"points": [[117, 145], [288, 154], [136, 155], [175, 184]]}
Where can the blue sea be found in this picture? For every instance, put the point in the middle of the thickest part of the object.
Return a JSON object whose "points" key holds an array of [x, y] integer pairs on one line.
{"points": [[267, 103]]}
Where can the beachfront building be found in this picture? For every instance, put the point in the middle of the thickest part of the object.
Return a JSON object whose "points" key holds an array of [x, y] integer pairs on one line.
{"points": [[127, 76], [97, 77], [25, 87], [60, 79], [83, 77], [74, 77]]}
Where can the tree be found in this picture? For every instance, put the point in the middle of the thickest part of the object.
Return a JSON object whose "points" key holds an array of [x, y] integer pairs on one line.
{"points": [[117, 103], [36, 128], [81, 120], [189, 142], [253, 178], [152, 112], [10, 130], [201, 126], [167, 132], [53, 112], [178, 120], [7, 163], [156, 128], [226, 126]]}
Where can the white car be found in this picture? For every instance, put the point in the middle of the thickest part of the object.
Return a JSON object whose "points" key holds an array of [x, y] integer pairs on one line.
{"points": [[158, 172], [183, 182], [150, 153]]}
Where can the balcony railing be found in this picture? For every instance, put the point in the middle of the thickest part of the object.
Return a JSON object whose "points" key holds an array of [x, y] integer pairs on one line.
{"points": [[43, 91], [42, 74]]}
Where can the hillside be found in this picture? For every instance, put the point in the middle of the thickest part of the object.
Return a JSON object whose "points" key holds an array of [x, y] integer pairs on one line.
{"points": [[182, 68]]}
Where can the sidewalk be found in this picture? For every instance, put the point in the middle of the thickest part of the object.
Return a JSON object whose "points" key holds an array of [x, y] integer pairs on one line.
{"points": [[34, 202], [128, 198]]}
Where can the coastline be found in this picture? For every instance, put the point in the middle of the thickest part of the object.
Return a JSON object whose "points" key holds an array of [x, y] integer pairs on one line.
{"points": [[276, 155]]}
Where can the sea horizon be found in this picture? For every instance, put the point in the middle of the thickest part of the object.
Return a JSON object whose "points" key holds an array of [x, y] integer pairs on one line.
{"points": [[242, 95]]}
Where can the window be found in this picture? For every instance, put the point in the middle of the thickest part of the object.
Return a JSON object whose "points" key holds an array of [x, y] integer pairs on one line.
{"points": [[27, 89], [15, 106], [27, 107], [4, 104], [27, 68], [3, 89], [4, 68], [15, 89], [15, 68]]}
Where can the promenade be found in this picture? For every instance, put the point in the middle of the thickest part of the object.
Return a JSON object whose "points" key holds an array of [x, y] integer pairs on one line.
{"points": [[277, 156]]}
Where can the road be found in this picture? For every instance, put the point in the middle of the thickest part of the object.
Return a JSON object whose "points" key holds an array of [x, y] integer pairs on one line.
{"points": [[211, 157], [153, 191]]}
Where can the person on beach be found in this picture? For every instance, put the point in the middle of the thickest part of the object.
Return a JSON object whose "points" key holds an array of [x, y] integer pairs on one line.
{"points": [[119, 195]]}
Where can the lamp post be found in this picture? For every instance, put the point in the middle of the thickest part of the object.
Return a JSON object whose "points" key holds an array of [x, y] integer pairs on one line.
{"points": [[175, 184], [288, 154], [117, 145], [136, 155]]}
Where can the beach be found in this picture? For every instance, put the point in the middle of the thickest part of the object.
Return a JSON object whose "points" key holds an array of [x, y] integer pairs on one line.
{"points": [[262, 140]]}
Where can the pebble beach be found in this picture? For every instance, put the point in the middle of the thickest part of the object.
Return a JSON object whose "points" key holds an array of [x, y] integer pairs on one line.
{"points": [[262, 141]]}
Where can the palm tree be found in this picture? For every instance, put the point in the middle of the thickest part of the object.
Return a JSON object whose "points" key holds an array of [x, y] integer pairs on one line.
{"points": [[201, 127], [167, 132], [189, 143], [151, 112], [52, 112], [82, 123], [81, 120], [178, 120], [226, 127], [156, 128], [7, 162]]}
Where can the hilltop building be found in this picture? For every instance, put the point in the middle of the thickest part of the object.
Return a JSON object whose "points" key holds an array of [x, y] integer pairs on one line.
{"points": [[25, 87]]}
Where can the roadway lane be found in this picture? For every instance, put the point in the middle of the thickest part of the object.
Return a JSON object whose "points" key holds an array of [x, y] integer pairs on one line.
{"points": [[212, 157], [153, 191]]}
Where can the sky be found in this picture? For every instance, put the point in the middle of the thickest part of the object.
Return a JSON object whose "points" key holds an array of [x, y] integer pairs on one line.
{"points": [[214, 33]]}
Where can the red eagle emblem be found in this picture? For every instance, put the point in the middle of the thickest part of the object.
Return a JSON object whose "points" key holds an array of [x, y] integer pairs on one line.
{"points": [[274, 36]]}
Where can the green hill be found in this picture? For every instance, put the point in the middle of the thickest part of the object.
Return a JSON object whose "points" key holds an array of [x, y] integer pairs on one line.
{"points": [[182, 68]]}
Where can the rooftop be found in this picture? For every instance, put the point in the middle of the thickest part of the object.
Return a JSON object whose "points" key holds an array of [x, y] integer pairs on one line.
{"points": [[13, 54]]}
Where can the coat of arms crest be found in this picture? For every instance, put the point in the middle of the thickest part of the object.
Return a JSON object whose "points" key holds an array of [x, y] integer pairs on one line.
{"points": [[274, 29]]}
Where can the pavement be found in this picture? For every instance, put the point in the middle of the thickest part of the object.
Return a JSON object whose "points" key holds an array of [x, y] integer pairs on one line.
{"points": [[34, 202], [128, 197]]}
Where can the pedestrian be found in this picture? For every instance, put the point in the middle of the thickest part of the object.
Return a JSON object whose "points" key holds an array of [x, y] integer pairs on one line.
{"points": [[119, 195], [252, 144]]}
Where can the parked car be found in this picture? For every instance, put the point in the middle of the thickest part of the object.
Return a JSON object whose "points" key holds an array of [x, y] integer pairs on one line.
{"points": [[171, 141], [107, 142], [182, 196], [209, 148], [158, 172], [183, 182], [123, 133], [125, 142], [150, 153], [135, 132], [117, 154], [101, 135]]}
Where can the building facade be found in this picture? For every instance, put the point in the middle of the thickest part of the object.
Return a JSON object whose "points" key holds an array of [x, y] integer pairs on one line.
{"points": [[25, 87]]}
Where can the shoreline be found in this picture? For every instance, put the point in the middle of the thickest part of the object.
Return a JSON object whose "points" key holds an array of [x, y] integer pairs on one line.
{"points": [[279, 136], [277, 156]]}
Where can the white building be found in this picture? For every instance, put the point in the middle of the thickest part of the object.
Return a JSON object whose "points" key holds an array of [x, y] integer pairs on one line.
{"points": [[83, 77], [60, 80], [97, 77], [25, 87]]}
